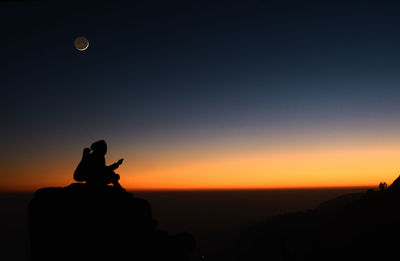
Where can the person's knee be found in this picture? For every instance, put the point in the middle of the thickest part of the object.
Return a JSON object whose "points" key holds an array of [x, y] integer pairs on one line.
{"points": [[113, 178]]}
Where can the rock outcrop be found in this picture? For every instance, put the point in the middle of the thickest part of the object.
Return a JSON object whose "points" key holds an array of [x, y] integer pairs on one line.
{"points": [[351, 227], [80, 222]]}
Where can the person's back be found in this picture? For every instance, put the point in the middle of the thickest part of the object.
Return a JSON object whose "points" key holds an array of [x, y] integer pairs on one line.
{"points": [[80, 173]]}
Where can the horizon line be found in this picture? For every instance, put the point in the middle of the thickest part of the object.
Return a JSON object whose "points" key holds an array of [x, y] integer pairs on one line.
{"points": [[370, 186]]}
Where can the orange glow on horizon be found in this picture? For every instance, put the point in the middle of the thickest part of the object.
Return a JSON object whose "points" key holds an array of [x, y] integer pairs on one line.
{"points": [[243, 168]]}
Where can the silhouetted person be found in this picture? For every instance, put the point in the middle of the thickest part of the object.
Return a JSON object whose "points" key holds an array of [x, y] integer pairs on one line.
{"points": [[382, 186], [93, 169]]}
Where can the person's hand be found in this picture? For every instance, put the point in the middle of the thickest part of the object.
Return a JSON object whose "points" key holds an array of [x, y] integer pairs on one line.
{"points": [[120, 161]]}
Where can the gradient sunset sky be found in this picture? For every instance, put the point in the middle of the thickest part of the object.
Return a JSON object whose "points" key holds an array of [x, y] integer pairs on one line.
{"points": [[202, 94]]}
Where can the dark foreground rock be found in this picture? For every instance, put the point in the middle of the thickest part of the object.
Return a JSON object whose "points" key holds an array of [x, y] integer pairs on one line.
{"points": [[80, 222], [352, 227]]}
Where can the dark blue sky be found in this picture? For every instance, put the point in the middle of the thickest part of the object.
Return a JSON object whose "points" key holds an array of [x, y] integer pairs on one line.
{"points": [[179, 68]]}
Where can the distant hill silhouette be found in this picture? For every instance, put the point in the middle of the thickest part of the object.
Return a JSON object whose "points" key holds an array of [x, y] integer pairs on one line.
{"points": [[362, 226], [83, 222]]}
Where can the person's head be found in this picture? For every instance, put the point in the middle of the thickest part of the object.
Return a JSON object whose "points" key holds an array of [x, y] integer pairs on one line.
{"points": [[99, 147]]}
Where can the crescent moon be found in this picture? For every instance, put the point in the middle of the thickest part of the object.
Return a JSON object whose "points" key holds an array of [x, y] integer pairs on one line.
{"points": [[81, 43]]}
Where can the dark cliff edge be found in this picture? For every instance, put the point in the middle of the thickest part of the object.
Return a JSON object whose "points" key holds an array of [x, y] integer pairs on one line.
{"points": [[361, 226], [80, 222]]}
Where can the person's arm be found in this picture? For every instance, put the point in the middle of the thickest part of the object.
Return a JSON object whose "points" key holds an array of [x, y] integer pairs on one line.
{"points": [[115, 165]]}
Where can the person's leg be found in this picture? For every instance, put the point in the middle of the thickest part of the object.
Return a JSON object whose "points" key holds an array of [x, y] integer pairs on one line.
{"points": [[117, 185], [114, 180]]}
